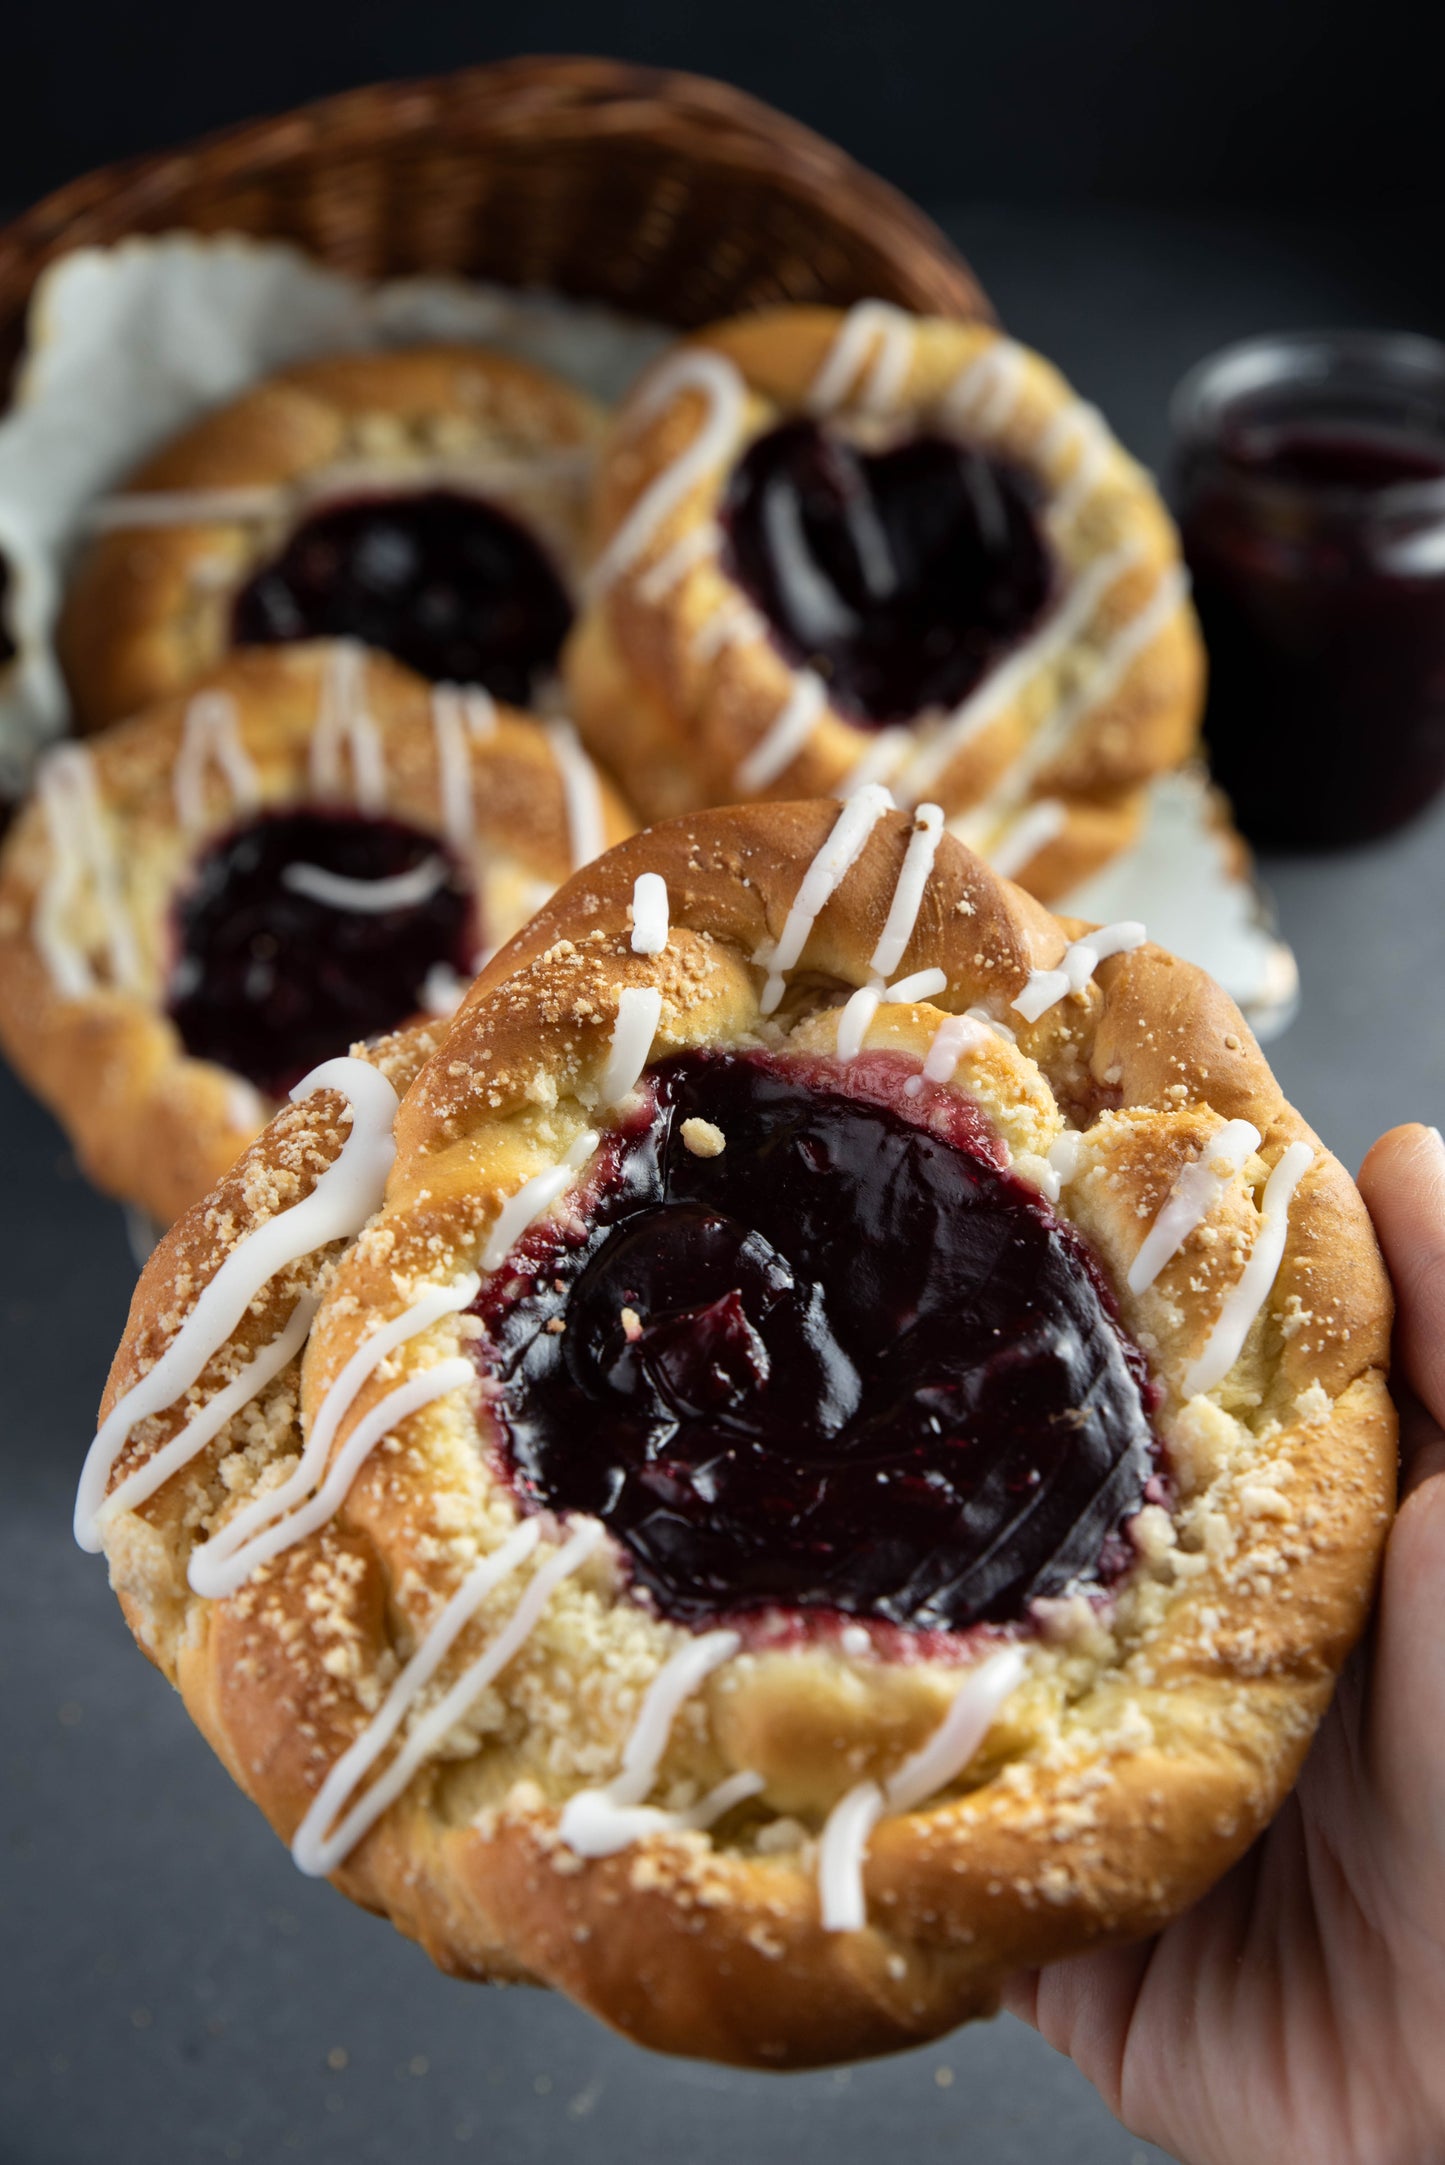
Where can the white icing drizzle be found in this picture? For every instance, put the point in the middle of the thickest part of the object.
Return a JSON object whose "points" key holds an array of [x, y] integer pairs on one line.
{"points": [[208, 1421], [898, 929], [725, 399], [870, 357], [581, 793], [483, 471], [1081, 428], [855, 1642], [918, 985], [1247, 1297], [442, 991], [786, 734], [857, 1015], [841, 1850], [1118, 658], [879, 763], [983, 395], [594, 1826], [1066, 1154], [343, 718], [639, 1011], [844, 1842], [317, 1511], [1059, 1165], [367, 898], [847, 839], [1032, 831], [963, 1728], [649, 914], [533, 1197], [276, 1519], [1081, 958], [184, 507], [991, 1022], [913, 878], [81, 854], [337, 1207], [211, 736], [951, 1040], [461, 716], [1003, 685], [1194, 1195], [692, 548], [600, 1822], [854, 1022], [317, 1852], [734, 622]]}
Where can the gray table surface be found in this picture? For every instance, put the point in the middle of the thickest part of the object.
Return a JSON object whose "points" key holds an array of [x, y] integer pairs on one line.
{"points": [[171, 1987]]}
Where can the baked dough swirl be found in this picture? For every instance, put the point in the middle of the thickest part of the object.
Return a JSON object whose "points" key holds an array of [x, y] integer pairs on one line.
{"points": [[429, 502], [796, 1829], [803, 515], [148, 885]]}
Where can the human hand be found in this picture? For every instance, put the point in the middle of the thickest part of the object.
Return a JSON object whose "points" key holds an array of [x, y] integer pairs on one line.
{"points": [[1297, 2014]]}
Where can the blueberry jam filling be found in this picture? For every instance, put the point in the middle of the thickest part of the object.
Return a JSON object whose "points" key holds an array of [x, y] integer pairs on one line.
{"points": [[846, 1363], [288, 950], [900, 576], [450, 585]]}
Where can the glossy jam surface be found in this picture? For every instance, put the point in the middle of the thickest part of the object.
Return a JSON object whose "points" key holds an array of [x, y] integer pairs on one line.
{"points": [[1321, 592], [847, 1364], [268, 979], [901, 576], [449, 584]]}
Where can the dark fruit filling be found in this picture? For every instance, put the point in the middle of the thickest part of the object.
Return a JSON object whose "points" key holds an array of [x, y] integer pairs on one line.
{"points": [[849, 1363], [901, 576], [271, 978], [448, 584]]}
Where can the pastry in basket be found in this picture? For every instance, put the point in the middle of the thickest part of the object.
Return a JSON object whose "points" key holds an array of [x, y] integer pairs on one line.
{"points": [[429, 503], [840, 547], [308, 849], [832, 1446]]}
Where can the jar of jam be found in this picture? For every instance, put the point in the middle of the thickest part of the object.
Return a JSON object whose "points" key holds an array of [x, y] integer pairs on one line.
{"points": [[1310, 484]]}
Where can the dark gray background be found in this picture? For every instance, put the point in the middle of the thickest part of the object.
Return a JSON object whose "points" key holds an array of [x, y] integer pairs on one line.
{"points": [[172, 1988], [1198, 102]]}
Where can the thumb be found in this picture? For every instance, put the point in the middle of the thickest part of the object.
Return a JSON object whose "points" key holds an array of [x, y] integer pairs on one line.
{"points": [[1403, 1183]]}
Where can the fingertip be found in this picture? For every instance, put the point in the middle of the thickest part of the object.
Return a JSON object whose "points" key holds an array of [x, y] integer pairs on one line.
{"points": [[1398, 1154], [1403, 1183]]}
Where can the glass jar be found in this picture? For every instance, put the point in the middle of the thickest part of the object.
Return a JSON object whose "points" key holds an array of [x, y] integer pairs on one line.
{"points": [[1309, 479]]}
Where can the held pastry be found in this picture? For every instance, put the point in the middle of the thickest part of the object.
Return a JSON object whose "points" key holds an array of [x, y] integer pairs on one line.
{"points": [[832, 1447], [841, 547], [310, 848], [428, 503]]}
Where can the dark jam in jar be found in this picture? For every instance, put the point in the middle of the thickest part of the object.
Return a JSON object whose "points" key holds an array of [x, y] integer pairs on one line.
{"points": [[1310, 483]]}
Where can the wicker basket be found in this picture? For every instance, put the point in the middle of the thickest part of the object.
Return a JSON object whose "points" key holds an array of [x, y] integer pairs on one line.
{"points": [[665, 194]]}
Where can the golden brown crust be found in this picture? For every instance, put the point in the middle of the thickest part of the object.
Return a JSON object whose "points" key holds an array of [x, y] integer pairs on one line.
{"points": [[149, 1124], [148, 609], [681, 719], [1148, 1741]]}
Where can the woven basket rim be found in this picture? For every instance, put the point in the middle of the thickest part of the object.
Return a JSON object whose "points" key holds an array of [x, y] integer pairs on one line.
{"points": [[534, 97]]}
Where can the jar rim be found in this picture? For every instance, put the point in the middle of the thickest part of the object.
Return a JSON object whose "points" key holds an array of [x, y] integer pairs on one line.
{"points": [[1359, 363]]}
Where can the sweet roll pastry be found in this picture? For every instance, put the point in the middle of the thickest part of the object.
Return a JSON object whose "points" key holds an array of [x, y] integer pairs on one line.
{"points": [[846, 1460], [428, 503], [833, 548], [310, 848]]}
